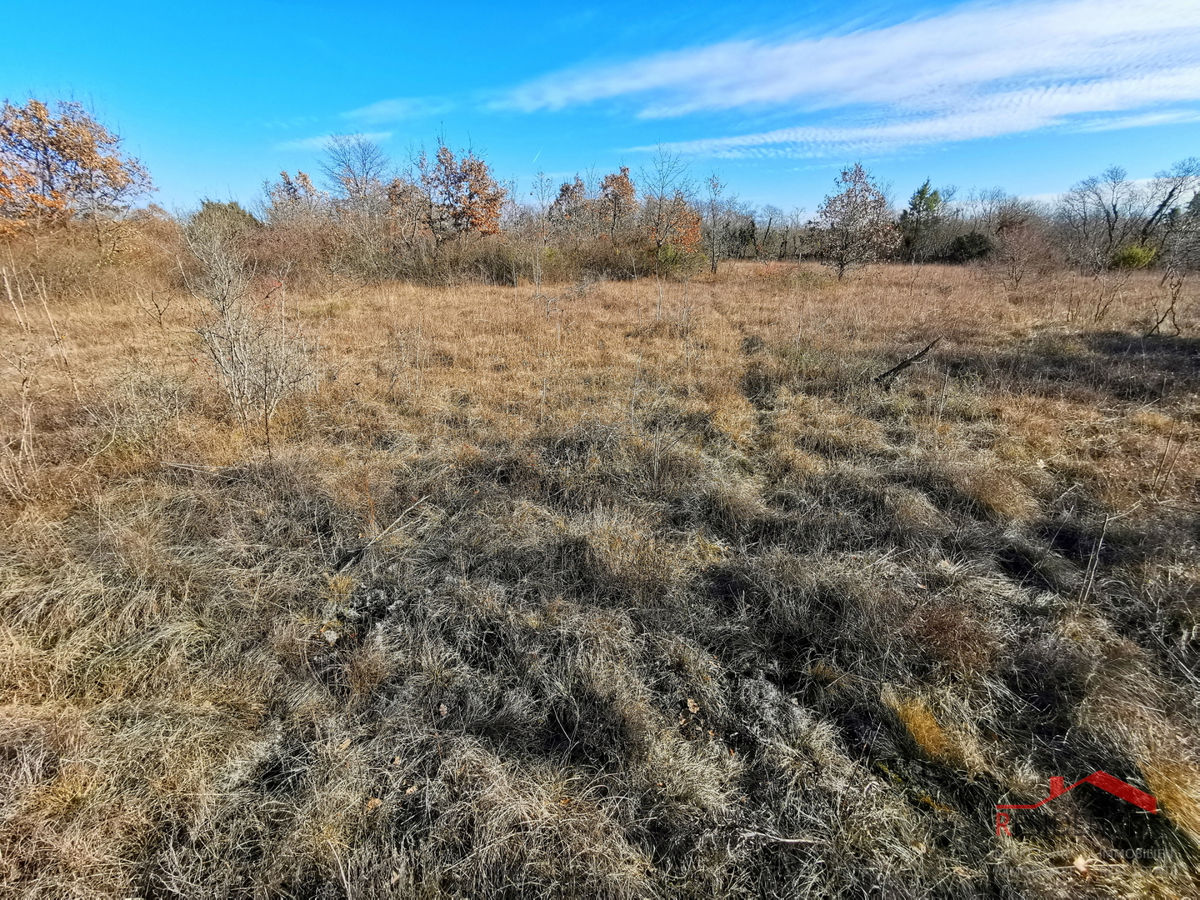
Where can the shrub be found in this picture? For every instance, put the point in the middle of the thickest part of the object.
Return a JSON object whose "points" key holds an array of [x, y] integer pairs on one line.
{"points": [[229, 220], [260, 355], [969, 248], [1135, 256]]}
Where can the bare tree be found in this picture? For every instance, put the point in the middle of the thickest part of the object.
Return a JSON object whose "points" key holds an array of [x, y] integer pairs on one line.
{"points": [[1181, 258], [260, 354], [543, 190], [356, 170], [1101, 213], [573, 214], [1108, 212], [355, 167], [984, 207], [714, 208], [667, 189], [1022, 249], [774, 219], [1169, 191]]}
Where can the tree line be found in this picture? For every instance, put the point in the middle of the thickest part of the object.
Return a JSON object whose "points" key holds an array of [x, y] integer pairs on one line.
{"points": [[444, 214]]}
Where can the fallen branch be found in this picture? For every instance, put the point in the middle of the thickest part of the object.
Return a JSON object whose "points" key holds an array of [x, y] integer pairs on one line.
{"points": [[780, 840], [354, 556], [890, 375], [203, 470]]}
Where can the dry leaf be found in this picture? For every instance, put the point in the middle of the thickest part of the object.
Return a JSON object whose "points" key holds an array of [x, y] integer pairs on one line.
{"points": [[374, 803], [693, 706], [344, 744]]}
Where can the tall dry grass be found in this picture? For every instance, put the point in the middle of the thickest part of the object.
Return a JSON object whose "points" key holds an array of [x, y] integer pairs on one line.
{"points": [[629, 589]]}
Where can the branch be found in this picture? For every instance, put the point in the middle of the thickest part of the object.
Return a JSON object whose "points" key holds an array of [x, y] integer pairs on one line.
{"points": [[780, 840], [351, 558], [889, 376]]}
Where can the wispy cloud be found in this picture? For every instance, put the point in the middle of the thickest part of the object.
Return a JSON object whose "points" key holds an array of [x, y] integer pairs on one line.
{"points": [[992, 115], [976, 71], [1143, 120], [320, 142], [398, 109]]}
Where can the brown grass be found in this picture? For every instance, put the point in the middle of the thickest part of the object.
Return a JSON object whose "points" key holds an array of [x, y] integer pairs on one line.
{"points": [[625, 594]]}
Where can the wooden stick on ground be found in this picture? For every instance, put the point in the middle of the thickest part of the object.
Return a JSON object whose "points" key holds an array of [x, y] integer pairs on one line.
{"points": [[889, 376]]}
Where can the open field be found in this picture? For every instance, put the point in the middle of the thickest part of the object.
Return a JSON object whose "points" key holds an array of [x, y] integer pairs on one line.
{"points": [[638, 589]]}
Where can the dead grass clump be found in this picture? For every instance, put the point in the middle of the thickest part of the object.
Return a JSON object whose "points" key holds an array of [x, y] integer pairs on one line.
{"points": [[1002, 493], [827, 429], [921, 724], [915, 512], [1176, 786], [956, 636]]}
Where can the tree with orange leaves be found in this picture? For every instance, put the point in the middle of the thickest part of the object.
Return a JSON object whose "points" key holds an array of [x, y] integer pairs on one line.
{"points": [[463, 196], [61, 164], [618, 199]]}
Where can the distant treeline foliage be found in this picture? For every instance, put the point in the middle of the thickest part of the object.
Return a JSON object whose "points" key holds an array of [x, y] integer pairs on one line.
{"points": [[444, 215]]}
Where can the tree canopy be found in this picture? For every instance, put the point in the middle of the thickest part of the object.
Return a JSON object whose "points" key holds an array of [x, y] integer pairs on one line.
{"points": [[856, 222], [62, 163]]}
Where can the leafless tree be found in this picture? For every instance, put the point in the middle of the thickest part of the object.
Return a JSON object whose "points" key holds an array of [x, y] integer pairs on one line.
{"points": [[714, 208], [667, 190], [1107, 212], [260, 354], [355, 167]]}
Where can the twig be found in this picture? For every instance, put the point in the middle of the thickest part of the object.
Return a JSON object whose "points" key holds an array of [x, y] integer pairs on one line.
{"points": [[13, 303], [1094, 562], [781, 840], [203, 470], [358, 554], [887, 377], [385, 531]]}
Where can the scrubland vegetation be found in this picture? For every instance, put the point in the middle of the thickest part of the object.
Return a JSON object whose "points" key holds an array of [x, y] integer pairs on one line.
{"points": [[501, 564]]}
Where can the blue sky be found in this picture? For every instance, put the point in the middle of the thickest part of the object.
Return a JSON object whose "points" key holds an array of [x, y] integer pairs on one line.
{"points": [[775, 98]]}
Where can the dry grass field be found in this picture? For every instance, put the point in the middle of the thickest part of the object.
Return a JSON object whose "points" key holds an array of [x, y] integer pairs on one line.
{"points": [[632, 590]]}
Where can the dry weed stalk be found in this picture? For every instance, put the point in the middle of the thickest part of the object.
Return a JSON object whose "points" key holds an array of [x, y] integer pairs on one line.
{"points": [[25, 358]]}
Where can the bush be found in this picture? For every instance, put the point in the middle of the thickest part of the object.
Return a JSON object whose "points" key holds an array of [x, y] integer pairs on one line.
{"points": [[228, 221], [260, 354], [1135, 256], [678, 262], [969, 248]]}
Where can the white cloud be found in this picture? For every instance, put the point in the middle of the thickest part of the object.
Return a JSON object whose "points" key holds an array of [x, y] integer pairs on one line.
{"points": [[1113, 123], [989, 116], [398, 109], [320, 142], [975, 71]]}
